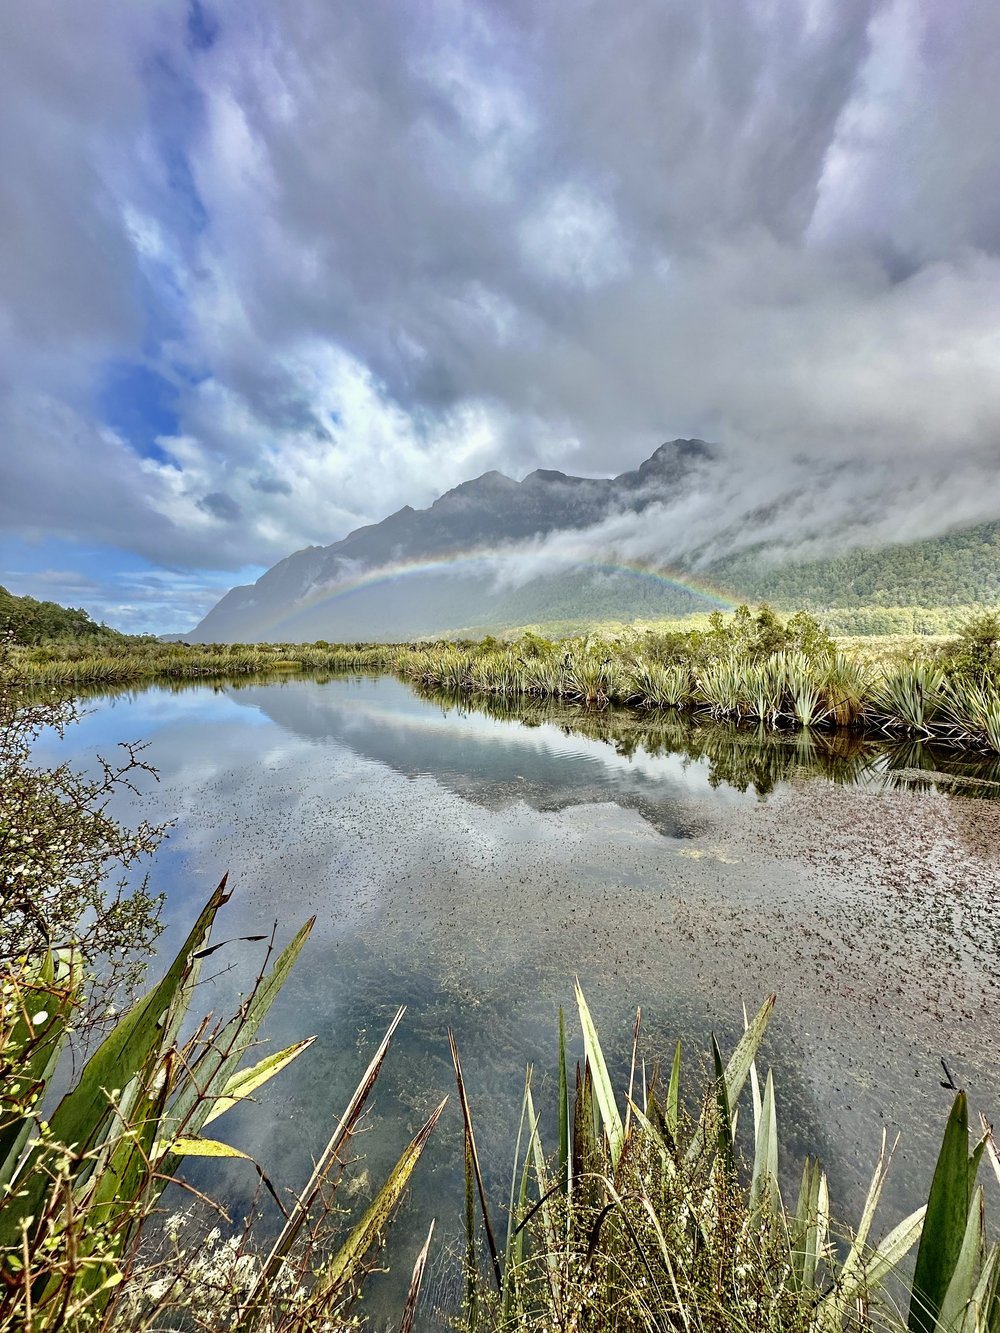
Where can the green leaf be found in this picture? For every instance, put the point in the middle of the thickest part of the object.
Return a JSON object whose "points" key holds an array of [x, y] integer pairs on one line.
{"points": [[968, 1265], [736, 1071], [945, 1224], [565, 1165], [866, 1274], [854, 1264], [33, 1045], [83, 1114], [724, 1134], [122, 1064], [551, 1243], [671, 1110], [809, 1231], [246, 1081], [195, 1146], [212, 1071], [514, 1244], [603, 1091], [472, 1153], [764, 1180]]}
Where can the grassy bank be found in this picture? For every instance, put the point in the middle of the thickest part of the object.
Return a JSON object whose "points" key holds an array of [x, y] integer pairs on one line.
{"points": [[746, 667], [66, 665], [648, 1210]]}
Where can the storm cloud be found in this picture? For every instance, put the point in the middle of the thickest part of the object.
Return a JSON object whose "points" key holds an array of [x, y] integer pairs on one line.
{"points": [[363, 252]]}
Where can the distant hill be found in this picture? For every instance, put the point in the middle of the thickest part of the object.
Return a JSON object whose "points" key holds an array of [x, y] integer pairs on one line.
{"points": [[32, 622], [422, 572]]}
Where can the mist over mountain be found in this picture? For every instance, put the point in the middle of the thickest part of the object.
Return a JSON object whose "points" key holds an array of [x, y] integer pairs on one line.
{"points": [[686, 531]]}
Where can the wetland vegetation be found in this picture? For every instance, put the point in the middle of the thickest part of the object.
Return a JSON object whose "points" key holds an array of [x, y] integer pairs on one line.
{"points": [[749, 668]]}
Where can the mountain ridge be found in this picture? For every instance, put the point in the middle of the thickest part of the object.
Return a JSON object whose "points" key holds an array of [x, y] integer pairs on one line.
{"points": [[427, 571]]}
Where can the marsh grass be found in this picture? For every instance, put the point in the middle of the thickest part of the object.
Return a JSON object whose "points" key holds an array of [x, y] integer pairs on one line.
{"points": [[80, 1185], [640, 1216], [752, 668]]}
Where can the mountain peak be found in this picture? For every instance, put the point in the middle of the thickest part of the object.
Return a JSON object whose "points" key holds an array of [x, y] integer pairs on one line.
{"points": [[483, 514], [489, 485]]}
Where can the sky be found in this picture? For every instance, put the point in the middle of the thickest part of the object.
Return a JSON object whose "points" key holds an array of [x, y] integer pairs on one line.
{"points": [[269, 272]]}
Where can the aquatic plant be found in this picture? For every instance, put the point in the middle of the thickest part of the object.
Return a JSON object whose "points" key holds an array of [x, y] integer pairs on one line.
{"points": [[802, 685], [650, 684], [973, 705], [845, 685], [652, 1219], [909, 698], [79, 1186]]}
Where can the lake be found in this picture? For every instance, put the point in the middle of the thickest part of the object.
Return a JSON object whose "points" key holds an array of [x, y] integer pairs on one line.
{"points": [[469, 862]]}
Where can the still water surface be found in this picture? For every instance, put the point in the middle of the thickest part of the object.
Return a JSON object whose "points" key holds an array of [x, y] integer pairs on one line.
{"points": [[470, 866]]}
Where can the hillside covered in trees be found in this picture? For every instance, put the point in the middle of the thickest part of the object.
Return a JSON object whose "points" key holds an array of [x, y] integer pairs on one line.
{"points": [[34, 623], [960, 568]]}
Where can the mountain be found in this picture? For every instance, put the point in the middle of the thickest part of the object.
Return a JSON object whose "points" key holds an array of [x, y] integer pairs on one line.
{"points": [[333, 592], [434, 570]]}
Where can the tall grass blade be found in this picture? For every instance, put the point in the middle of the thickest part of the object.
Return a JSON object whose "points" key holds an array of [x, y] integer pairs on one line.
{"points": [[671, 1110], [725, 1139], [413, 1295], [565, 1163], [603, 1091], [35, 1019], [339, 1277], [470, 1140], [945, 1223], [328, 1158]]}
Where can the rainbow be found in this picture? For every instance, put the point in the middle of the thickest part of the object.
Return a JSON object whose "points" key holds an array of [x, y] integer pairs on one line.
{"points": [[485, 563]]}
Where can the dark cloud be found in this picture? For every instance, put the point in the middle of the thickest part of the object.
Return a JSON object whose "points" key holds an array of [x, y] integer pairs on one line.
{"points": [[271, 485], [221, 506]]}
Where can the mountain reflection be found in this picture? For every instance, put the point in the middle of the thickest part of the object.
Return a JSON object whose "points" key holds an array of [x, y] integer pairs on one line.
{"points": [[495, 751]]}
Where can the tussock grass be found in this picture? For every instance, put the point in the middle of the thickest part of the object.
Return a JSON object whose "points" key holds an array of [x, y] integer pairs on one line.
{"points": [[724, 676], [748, 667]]}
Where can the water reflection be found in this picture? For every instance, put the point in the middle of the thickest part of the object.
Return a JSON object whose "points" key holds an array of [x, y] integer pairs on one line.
{"points": [[484, 764], [383, 719], [469, 857]]}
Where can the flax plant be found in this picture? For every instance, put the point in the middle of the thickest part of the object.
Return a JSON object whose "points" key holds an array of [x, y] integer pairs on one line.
{"points": [[79, 1186], [642, 1217]]}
